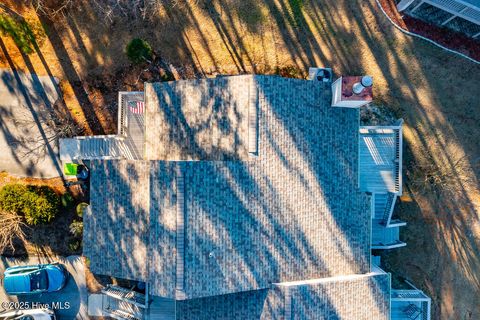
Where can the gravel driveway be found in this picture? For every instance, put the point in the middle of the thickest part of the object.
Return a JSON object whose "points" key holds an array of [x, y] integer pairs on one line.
{"points": [[69, 303]]}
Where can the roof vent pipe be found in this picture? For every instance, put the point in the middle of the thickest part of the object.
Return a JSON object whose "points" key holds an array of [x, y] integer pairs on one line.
{"points": [[358, 87]]}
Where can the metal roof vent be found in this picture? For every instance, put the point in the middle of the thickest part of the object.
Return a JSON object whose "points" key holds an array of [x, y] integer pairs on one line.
{"points": [[320, 74], [366, 82]]}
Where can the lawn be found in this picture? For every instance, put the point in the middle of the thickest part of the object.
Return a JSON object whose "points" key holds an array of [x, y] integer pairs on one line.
{"points": [[435, 92]]}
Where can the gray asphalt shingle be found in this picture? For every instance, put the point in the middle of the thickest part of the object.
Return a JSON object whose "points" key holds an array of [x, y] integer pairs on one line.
{"points": [[291, 212]]}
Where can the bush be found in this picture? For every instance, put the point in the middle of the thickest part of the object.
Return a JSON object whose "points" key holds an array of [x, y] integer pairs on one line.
{"points": [[74, 246], [36, 204], [11, 197], [67, 199], [81, 208], [41, 205], [76, 228], [139, 51], [289, 72]]}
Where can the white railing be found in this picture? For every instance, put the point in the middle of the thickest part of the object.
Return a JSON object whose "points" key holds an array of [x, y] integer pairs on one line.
{"points": [[389, 206], [122, 110], [396, 244], [457, 8], [397, 130], [126, 295]]}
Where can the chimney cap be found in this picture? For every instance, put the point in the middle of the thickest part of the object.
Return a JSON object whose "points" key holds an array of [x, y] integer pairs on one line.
{"points": [[367, 81], [347, 93]]}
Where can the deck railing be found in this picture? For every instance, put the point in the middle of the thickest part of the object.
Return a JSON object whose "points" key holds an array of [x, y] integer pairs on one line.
{"points": [[387, 216], [397, 130], [122, 110], [416, 296], [124, 304], [457, 8]]}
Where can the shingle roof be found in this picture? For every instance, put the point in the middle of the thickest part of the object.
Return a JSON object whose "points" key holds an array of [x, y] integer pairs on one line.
{"points": [[198, 119], [117, 224], [291, 212], [357, 297]]}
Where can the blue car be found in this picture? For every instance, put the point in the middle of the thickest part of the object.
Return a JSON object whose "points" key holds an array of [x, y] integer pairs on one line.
{"points": [[34, 279]]}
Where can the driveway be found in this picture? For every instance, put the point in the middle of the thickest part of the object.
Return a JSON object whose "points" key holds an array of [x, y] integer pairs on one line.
{"points": [[27, 137], [69, 303]]}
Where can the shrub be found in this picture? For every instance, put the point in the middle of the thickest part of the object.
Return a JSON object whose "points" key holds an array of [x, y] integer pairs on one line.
{"points": [[81, 208], [76, 228], [11, 197], [74, 246], [289, 72], [36, 204], [67, 199], [41, 205], [139, 51]]}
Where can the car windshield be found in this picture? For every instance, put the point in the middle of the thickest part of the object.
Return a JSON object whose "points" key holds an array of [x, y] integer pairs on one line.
{"points": [[39, 280]]}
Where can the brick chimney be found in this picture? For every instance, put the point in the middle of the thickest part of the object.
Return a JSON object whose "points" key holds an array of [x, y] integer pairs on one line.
{"points": [[352, 91]]}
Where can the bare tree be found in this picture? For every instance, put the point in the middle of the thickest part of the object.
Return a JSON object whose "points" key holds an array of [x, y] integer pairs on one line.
{"points": [[53, 123], [51, 8], [11, 228], [144, 9]]}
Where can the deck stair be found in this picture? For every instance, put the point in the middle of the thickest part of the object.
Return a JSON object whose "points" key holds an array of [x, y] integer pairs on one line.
{"points": [[385, 237], [123, 294], [410, 304], [388, 209], [93, 147], [121, 310], [384, 204], [123, 304], [412, 311], [408, 294]]}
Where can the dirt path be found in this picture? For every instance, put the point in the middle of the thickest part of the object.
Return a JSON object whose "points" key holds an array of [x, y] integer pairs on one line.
{"points": [[435, 92]]}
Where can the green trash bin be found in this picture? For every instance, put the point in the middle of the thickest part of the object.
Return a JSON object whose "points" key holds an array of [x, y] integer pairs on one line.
{"points": [[70, 169]]}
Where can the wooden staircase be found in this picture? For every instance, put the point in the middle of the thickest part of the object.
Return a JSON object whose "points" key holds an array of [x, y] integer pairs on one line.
{"points": [[385, 237], [123, 304], [384, 203], [93, 147]]}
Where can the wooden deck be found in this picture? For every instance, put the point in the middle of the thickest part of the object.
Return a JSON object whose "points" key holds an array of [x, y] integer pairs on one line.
{"points": [[380, 159], [465, 9], [132, 124], [402, 299], [92, 147]]}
